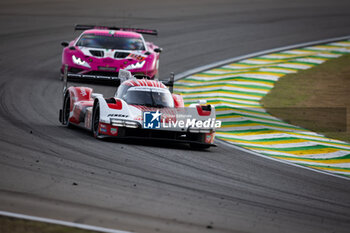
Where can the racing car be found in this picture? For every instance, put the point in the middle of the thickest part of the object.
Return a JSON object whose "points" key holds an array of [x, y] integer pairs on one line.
{"points": [[140, 108], [99, 52]]}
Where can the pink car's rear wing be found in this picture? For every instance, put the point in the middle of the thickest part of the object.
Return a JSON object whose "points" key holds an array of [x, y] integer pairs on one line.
{"points": [[93, 78], [138, 30], [122, 76]]}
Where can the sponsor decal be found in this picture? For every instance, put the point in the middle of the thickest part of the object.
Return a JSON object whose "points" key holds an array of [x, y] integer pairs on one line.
{"points": [[151, 120], [103, 128], [138, 57], [83, 91], [209, 138], [117, 115], [114, 131]]}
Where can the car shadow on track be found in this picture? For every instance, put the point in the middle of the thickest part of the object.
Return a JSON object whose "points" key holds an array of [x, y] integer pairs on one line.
{"points": [[148, 142], [154, 143]]}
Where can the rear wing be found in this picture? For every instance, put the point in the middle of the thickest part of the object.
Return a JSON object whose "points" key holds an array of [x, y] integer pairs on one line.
{"points": [[80, 27], [93, 78], [123, 75]]}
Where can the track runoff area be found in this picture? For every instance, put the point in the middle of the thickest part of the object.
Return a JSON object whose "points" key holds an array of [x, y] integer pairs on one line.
{"points": [[236, 90]]}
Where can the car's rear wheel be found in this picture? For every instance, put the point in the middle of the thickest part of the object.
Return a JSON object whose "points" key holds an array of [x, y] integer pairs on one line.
{"points": [[96, 120]]}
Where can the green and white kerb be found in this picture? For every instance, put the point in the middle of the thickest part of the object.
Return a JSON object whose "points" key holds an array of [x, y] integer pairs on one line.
{"points": [[236, 90]]}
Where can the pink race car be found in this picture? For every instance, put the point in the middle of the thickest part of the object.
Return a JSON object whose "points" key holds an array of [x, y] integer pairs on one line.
{"points": [[100, 52]]}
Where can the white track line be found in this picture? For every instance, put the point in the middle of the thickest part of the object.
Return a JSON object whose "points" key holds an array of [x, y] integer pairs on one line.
{"points": [[60, 222]]}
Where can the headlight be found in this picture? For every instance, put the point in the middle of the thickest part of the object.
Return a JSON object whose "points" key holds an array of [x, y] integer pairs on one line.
{"points": [[200, 130], [79, 61], [137, 65], [124, 123]]}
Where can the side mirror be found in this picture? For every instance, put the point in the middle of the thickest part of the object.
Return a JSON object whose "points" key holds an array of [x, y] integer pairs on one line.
{"points": [[64, 43], [158, 50]]}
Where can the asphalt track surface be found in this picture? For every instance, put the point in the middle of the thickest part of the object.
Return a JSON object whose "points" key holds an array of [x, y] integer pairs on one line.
{"points": [[50, 171]]}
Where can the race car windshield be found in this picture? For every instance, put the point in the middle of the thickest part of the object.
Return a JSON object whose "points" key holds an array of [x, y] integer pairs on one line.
{"points": [[111, 42], [149, 98]]}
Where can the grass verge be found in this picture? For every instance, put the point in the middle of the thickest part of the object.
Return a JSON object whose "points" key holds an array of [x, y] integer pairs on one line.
{"points": [[316, 99]]}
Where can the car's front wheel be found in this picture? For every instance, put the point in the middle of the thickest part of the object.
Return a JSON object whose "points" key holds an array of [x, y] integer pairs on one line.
{"points": [[66, 110], [96, 120]]}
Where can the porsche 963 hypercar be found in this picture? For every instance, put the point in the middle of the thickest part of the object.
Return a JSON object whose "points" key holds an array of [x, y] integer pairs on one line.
{"points": [[140, 108]]}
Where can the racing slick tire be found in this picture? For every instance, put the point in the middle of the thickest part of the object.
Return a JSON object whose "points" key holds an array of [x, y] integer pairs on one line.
{"points": [[96, 120], [66, 111]]}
